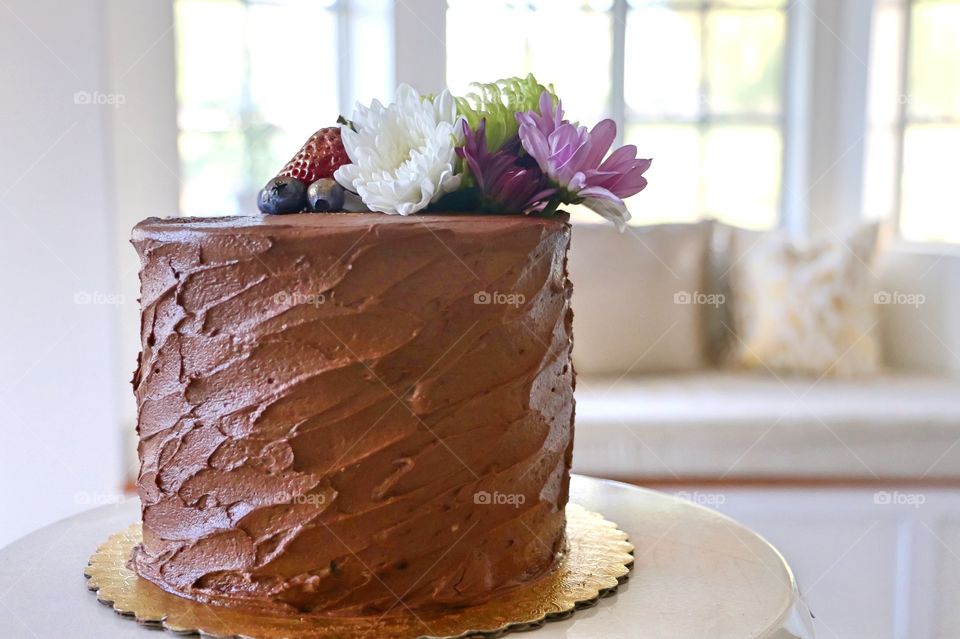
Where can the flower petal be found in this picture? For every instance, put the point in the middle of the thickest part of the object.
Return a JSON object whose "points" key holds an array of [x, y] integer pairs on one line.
{"points": [[601, 137], [629, 183], [403, 156], [620, 159], [535, 143], [598, 192], [503, 184], [616, 211]]}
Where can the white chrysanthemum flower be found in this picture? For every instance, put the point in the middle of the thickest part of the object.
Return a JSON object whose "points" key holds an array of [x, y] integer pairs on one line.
{"points": [[402, 155]]}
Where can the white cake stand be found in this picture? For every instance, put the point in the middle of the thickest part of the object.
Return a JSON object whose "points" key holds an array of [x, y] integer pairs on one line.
{"points": [[697, 574]]}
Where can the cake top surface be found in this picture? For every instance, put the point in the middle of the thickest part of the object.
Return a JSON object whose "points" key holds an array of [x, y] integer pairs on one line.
{"points": [[333, 222]]}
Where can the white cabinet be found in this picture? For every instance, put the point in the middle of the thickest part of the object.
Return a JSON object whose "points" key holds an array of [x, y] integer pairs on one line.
{"points": [[873, 563]]}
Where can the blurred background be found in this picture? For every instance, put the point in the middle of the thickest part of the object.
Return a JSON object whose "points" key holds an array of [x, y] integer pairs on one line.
{"points": [[781, 125]]}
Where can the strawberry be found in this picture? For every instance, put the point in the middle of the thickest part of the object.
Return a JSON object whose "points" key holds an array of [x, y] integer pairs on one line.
{"points": [[322, 154]]}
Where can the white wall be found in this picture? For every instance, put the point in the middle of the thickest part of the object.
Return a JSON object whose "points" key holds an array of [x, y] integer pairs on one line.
{"points": [[63, 284], [146, 174], [76, 173], [924, 335]]}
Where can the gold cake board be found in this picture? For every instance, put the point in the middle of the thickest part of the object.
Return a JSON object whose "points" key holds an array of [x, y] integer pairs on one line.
{"points": [[598, 559]]}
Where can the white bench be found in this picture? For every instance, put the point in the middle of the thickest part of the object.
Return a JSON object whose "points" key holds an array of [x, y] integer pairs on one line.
{"points": [[722, 425]]}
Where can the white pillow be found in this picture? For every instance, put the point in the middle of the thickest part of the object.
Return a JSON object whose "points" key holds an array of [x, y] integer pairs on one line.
{"points": [[635, 298], [805, 309]]}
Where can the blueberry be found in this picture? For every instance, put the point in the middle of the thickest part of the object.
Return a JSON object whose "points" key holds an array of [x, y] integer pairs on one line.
{"points": [[282, 195], [325, 195]]}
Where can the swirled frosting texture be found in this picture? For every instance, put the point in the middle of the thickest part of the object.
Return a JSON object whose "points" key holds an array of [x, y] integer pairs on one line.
{"points": [[345, 414]]}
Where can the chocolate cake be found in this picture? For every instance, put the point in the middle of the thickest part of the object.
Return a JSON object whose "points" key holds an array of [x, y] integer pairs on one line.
{"points": [[352, 413]]}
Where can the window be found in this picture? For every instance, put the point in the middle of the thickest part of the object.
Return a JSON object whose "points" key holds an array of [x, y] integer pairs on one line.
{"points": [[697, 85], [255, 78], [529, 38], [914, 118]]}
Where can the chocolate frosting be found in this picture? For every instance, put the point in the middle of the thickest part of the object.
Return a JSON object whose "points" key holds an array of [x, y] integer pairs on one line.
{"points": [[350, 413]]}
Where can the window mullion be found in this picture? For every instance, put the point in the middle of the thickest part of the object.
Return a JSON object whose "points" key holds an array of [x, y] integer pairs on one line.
{"points": [[703, 109], [901, 122], [345, 67], [420, 46], [797, 132], [618, 105], [837, 112]]}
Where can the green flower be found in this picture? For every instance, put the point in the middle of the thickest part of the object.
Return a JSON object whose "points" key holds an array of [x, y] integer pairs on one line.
{"points": [[499, 102]]}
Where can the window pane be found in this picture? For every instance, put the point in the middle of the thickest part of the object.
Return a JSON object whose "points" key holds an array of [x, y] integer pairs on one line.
{"points": [[240, 119], [372, 50], [527, 41], [741, 174], [929, 210], [213, 173], [511, 55], [654, 89], [673, 192], [745, 57], [281, 36], [210, 87], [935, 59]]}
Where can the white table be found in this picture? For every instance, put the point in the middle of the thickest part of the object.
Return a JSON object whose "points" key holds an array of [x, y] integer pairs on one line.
{"points": [[697, 574]]}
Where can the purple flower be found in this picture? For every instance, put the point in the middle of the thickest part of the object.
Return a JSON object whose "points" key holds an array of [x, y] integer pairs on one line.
{"points": [[504, 185], [573, 158]]}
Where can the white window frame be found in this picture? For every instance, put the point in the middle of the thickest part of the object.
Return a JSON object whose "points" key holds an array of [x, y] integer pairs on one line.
{"points": [[833, 56], [899, 129], [825, 109], [824, 114]]}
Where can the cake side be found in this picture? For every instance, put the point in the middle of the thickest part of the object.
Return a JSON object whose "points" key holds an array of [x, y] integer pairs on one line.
{"points": [[337, 411]]}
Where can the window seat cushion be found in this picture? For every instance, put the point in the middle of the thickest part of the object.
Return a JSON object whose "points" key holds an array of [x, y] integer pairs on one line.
{"points": [[726, 425]]}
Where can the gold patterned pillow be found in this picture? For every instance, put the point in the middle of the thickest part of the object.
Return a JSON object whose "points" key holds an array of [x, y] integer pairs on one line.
{"points": [[804, 309]]}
